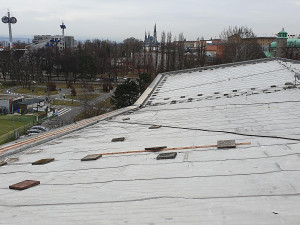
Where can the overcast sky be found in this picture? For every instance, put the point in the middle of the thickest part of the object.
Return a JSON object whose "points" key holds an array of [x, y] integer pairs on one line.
{"points": [[120, 19]]}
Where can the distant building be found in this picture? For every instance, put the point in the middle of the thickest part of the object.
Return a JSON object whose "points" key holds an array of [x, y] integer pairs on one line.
{"points": [[31, 105], [263, 40], [284, 46], [151, 40], [62, 42], [10, 103]]}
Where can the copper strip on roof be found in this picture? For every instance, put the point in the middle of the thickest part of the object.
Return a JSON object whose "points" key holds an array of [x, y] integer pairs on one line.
{"points": [[170, 149]]}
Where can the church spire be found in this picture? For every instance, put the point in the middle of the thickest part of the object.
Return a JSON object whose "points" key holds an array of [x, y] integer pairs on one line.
{"points": [[155, 34]]}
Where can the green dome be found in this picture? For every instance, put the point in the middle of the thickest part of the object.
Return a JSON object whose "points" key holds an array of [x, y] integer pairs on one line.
{"points": [[291, 42], [282, 34]]}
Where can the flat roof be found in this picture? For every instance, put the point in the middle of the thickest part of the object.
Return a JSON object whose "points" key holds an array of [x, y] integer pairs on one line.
{"points": [[32, 101], [258, 182]]}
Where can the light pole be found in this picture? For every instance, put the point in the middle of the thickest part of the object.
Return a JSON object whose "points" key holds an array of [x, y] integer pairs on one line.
{"points": [[9, 20]]}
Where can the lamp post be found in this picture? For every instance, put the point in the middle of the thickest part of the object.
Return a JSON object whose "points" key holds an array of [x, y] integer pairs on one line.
{"points": [[9, 20]]}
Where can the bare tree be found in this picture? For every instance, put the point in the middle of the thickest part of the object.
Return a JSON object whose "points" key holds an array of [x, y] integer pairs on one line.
{"points": [[240, 44]]}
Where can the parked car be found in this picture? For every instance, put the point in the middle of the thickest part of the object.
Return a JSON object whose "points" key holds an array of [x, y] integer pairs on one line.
{"points": [[32, 132], [41, 128]]}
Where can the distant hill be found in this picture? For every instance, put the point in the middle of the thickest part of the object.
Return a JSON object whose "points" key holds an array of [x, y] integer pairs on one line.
{"points": [[17, 38]]}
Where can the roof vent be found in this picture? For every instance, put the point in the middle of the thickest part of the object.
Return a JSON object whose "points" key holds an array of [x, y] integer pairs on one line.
{"points": [[3, 163], [273, 86], [118, 139], [190, 99], [24, 185], [182, 96], [200, 94], [234, 90], [155, 127], [91, 157], [126, 118], [253, 89], [155, 149], [43, 161], [226, 94], [169, 155], [173, 102], [216, 93], [226, 144], [166, 98]]}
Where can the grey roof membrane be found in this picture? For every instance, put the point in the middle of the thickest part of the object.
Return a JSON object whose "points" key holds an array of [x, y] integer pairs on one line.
{"points": [[257, 182]]}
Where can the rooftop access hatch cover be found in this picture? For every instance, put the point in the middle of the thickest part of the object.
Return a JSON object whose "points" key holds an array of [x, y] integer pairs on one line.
{"points": [[169, 155], [226, 144], [154, 149], [43, 161], [91, 157], [24, 185], [117, 139]]}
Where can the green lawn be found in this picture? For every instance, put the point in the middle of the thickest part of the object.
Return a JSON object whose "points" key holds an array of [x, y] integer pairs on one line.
{"points": [[6, 122]]}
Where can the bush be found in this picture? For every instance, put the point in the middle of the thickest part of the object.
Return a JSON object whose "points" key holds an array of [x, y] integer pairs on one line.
{"points": [[73, 91], [107, 87]]}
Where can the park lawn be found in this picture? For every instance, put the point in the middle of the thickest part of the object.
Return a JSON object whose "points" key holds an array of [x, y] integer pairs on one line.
{"points": [[37, 91], [6, 122]]}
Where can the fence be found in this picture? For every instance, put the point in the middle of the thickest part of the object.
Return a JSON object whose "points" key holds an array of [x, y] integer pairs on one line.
{"points": [[12, 135]]}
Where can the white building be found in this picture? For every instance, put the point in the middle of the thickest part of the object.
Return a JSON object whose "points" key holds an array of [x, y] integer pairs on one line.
{"points": [[252, 179], [62, 42]]}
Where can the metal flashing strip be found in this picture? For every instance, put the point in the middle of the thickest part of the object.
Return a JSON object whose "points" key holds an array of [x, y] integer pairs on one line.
{"points": [[24, 185], [43, 161]]}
